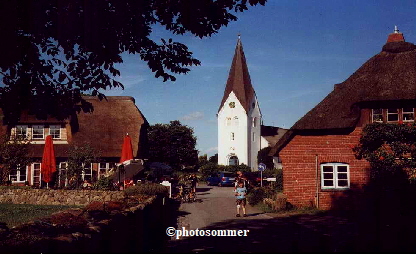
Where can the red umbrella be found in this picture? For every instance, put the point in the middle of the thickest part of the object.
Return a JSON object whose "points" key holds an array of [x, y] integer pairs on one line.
{"points": [[48, 160], [127, 150]]}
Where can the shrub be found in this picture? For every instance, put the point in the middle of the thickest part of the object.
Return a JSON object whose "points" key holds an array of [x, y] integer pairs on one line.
{"points": [[257, 195], [104, 183], [147, 189]]}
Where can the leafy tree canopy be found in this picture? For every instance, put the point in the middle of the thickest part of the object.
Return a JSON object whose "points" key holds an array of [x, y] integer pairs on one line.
{"points": [[173, 144], [214, 158], [52, 50], [13, 151], [390, 148]]}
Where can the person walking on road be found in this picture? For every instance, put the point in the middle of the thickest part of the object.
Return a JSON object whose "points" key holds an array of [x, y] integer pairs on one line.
{"points": [[194, 182], [241, 201]]}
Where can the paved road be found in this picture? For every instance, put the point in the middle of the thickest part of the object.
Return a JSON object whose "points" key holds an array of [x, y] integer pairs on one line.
{"points": [[214, 204], [216, 210]]}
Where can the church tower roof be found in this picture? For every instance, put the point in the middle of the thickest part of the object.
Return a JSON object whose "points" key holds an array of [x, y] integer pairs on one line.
{"points": [[239, 80]]}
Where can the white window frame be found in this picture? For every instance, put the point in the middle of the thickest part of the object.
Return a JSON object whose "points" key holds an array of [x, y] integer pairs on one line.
{"points": [[18, 175], [33, 173], [33, 131], [398, 115], [61, 169], [107, 167], [373, 114], [408, 112], [84, 173], [56, 127], [335, 176], [22, 135]]}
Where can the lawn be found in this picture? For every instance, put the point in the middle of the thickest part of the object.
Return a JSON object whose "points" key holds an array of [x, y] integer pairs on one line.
{"points": [[14, 215]]}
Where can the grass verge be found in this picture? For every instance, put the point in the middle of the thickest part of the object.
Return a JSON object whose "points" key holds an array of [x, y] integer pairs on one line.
{"points": [[14, 214], [287, 212]]}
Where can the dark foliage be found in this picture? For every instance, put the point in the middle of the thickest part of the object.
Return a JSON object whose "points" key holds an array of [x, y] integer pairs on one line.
{"points": [[54, 51], [214, 158], [263, 156], [173, 144]]}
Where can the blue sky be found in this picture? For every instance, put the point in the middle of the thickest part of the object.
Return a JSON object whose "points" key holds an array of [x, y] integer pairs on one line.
{"points": [[296, 51]]}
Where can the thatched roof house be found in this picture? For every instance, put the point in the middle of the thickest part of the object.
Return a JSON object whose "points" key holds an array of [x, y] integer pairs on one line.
{"points": [[319, 166], [104, 130], [388, 77]]}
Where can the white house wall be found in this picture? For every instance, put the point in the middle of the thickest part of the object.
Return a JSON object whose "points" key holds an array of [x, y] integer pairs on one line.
{"points": [[264, 143]]}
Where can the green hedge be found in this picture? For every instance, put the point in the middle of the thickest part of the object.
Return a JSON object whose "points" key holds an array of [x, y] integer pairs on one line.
{"points": [[256, 195], [148, 189]]}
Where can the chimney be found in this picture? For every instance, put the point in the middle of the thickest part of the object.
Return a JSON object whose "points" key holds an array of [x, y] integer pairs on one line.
{"points": [[396, 36]]}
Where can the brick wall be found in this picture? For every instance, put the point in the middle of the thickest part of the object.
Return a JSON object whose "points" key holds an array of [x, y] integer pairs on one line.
{"points": [[300, 171]]}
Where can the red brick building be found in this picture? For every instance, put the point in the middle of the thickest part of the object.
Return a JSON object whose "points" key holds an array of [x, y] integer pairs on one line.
{"points": [[319, 166]]}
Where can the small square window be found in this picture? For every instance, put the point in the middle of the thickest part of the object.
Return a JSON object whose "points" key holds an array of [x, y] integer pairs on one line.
{"points": [[21, 131], [38, 132], [335, 176], [392, 115], [377, 115], [55, 131], [408, 114]]}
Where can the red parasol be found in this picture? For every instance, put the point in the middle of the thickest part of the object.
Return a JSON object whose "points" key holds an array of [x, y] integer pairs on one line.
{"points": [[48, 160], [127, 150]]}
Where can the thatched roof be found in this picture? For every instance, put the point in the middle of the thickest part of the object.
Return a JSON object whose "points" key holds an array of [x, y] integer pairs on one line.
{"points": [[104, 129], [387, 76], [239, 80]]}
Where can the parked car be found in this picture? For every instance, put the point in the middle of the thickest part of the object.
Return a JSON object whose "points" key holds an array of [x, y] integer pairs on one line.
{"points": [[222, 179]]}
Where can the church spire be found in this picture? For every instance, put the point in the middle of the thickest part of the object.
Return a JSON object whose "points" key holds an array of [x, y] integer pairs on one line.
{"points": [[239, 80]]}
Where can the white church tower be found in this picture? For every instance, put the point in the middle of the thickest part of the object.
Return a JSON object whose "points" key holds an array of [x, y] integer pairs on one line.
{"points": [[239, 116]]}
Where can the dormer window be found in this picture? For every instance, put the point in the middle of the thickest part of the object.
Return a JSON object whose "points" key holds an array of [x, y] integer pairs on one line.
{"points": [[38, 132], [21, 131], [392, 115], [408, 114], [55, 131], [377, 115]]}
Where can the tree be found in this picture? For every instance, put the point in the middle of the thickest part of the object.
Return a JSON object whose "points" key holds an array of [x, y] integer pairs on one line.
{"points": [[263, 157], [14, 151], [53, 51], [214, 158], [202, 160], [78, 157], [390, 148], [173, 144]]}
